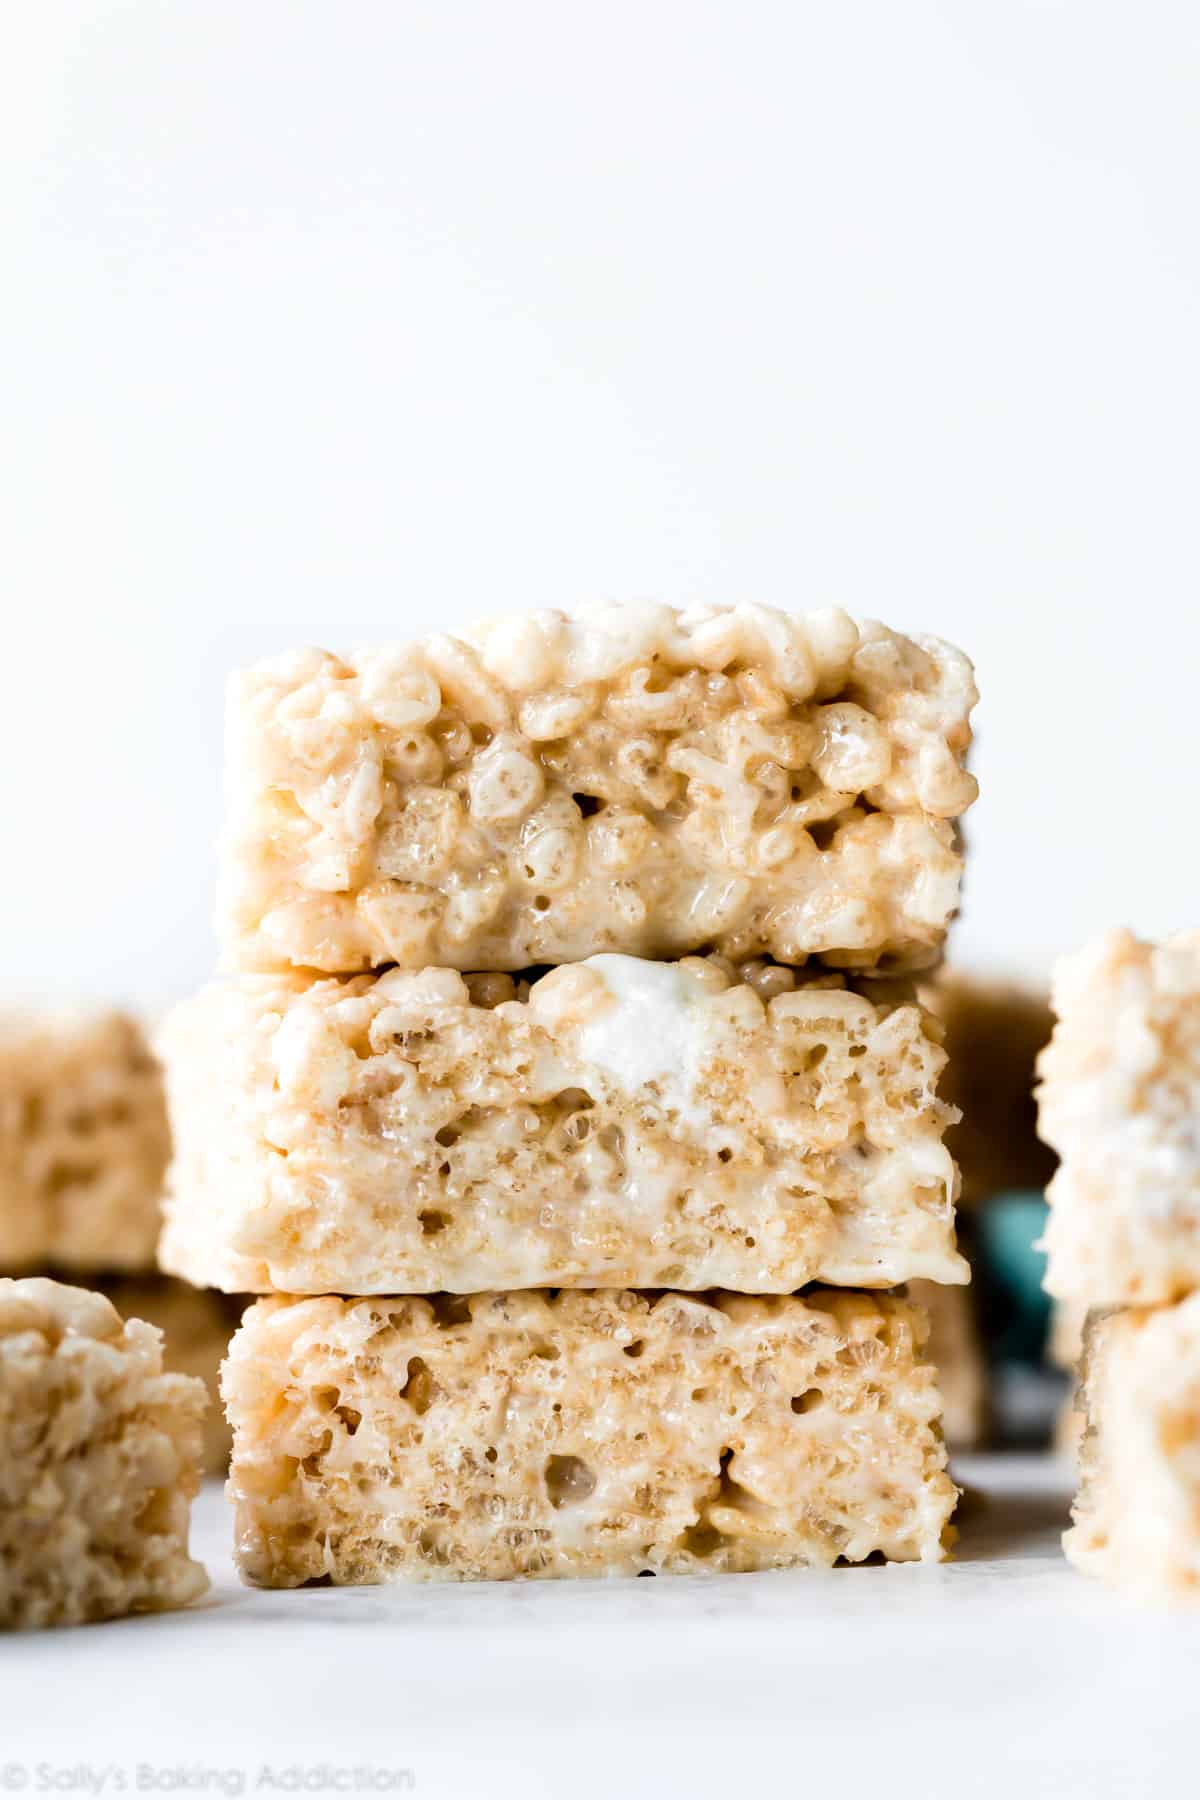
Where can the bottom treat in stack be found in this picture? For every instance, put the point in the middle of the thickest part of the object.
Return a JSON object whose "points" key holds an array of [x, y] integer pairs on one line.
{"points": [[581, 1433]]}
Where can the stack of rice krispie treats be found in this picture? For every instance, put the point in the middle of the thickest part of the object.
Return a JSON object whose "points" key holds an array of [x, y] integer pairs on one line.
{"points": [[569, 1038], [84, 1146], [1120, 1102]]}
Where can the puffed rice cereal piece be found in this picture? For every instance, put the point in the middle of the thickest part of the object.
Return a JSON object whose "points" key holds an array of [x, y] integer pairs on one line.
{"points": [[83, 1143], [620, 1122], [636, 779], [598, 1433], [1120, 1102], [99, 1461]]}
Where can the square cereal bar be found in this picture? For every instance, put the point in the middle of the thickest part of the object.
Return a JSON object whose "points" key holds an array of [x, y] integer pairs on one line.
{"points": [[636, 779], [99, 1460], [1120, 1102], [617, 1123], [583, 1434], [83, 1143], [1137, 1514]]}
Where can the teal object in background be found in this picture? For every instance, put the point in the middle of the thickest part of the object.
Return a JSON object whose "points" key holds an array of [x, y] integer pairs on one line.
{"points": [[1010, 1273]]}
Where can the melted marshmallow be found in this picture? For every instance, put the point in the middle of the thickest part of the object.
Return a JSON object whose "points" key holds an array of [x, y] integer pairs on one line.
{"points": [[660, 1028]]}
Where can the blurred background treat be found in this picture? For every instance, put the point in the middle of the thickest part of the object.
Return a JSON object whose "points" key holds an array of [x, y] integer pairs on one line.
{"points": [[197, 1325], [998, 1382], [957, 1351], [84, 1143], [84, 1148], [994, 1032]]}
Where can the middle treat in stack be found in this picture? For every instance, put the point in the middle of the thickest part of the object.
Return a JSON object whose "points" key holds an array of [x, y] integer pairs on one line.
{"points": [[723, 786]]}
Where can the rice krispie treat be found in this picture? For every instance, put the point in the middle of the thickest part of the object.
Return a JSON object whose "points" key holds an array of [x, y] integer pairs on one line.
{"points": [[955, 1350], [994, 1032], [196, 1326], [1137, 1515], [618, 1123], [593, 1433], [1120, 1101], [636, 779], [99, 1460], [83, 1143]]}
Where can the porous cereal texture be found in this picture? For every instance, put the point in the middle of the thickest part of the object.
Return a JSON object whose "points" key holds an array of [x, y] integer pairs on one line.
{"points": [[618, 1123], [636, 779], [99, 1460], [83, 1143], [196, 1326], [955, 1349], [994, 1032], [1119, 1099], [1137, 1514], [598, 1433]]}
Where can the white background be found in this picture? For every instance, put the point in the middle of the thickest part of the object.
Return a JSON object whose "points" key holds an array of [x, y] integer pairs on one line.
{"points": [[328, 321]]}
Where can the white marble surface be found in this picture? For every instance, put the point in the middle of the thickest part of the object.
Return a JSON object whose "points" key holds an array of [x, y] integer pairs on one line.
{"points": [[1000, 1671]]}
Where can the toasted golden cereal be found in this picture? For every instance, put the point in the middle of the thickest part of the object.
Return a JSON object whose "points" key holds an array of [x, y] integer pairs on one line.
{"points": [[1137, 1514], [99, 1460], [598, 1433], [620, 1122], [83, 1143], [637, 779], [1120, 1101]]}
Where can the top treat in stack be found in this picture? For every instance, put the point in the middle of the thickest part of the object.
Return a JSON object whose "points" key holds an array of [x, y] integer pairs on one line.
{"points": [[541, 789]]}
